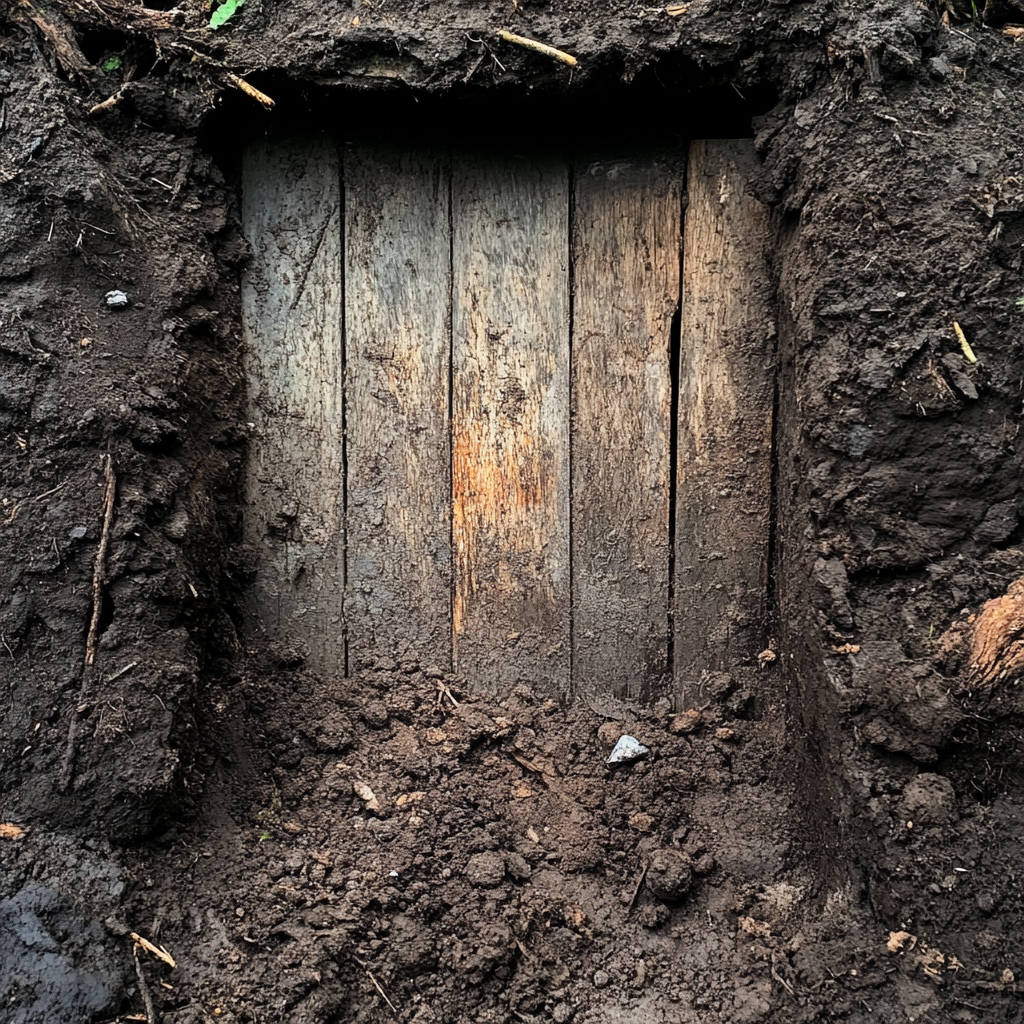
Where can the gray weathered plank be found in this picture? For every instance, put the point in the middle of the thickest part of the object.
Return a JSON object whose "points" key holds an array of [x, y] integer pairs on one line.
{"points": [[626, 244], [510, 409], [291, 303], [398, 346], [725, 417]]}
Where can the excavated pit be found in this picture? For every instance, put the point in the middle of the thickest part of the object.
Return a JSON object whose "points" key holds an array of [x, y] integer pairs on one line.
{"points": [[411, 842]]}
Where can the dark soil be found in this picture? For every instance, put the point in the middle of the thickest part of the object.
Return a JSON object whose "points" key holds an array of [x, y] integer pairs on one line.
{"points": [[196, 786]]}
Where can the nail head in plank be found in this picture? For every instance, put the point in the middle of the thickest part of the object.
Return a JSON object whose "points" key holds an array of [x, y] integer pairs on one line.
{"points": [[398, 340], [626, 243], [291, 301], [725, 414], [510, 432]]}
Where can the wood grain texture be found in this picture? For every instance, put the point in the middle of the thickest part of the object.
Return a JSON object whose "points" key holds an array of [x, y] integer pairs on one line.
{"points": [[725, 417], [291, 302], [510, 422], [626, 244], [398, 346]]}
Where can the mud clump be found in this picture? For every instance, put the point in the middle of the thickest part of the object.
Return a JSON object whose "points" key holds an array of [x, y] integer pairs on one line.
{"points": [[929, 800], [670, 875]]}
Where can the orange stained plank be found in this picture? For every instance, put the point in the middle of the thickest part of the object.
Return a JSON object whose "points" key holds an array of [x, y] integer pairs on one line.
{"points": [[510, 421]]}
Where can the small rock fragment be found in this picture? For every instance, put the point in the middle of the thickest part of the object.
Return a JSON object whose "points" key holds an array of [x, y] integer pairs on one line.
{"points": [[1007, 976], [517, 866], [602, 979], [669, 874], [77, 532], [704, 864], [725, 734], [629, 748], [653, 915], [562, 1013], [751, 926], [641, 822], [374, 713], [898, 941], [117, 299], [363, 791], [486, 869], [685, 722]]}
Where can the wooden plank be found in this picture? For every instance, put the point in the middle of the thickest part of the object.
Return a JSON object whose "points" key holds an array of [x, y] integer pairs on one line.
{"points": [[510, 414], [725, 417], [398, 347], [291, 302], [626, 245]]}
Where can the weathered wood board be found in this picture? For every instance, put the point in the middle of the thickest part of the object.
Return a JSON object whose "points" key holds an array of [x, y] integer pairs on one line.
{"points": [[510, 421], [291, 302], [626, 246], [725, 417], [503, 504], [398, 350]]}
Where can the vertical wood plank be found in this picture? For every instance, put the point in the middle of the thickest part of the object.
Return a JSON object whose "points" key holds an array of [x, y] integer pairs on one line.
{"points": [[725, 417], [291, 302], [510, 429], [398, 343], [626, 243]]}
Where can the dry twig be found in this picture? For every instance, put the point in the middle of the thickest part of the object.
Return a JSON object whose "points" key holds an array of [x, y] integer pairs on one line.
{"points": [[108, 104], [99, 568], [158, 951], [961, 337], [382, 993], [532, 44]]}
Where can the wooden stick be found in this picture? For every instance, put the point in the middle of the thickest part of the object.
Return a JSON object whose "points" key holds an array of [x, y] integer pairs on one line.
{"points": [[532, 44], [636, 891], [147, 999], [99, 568], [967, 350], [250, 90]]}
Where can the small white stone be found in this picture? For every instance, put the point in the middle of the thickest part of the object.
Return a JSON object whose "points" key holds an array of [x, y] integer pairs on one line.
{"points": [[117, 299], [629, 748]]}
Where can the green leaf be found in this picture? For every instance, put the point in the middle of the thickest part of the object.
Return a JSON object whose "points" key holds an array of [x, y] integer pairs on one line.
{"points": [[112, 63], [225, 11]]}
